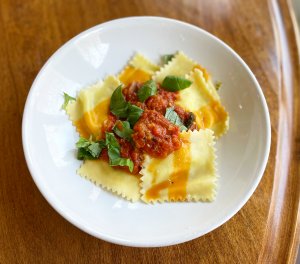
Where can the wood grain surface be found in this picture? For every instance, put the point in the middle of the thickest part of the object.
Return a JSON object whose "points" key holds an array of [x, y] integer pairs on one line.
{"points": [[266, 229]]}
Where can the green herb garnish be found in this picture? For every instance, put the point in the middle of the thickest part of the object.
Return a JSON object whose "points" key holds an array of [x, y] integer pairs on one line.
{"points": [[166, 58], [123, 130], [118, 105], [123, 109], [67, 99], [148, 89], [134, 113], [173, 83], [218, 85], [173, 117], [113, 148], [88, 149]]}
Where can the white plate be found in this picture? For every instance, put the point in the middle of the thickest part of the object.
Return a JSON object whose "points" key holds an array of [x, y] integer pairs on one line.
{"points": [[49, 138]]}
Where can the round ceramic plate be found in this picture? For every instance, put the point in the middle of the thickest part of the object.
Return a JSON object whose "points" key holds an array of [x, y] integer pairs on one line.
{"points": [[49, 138]]}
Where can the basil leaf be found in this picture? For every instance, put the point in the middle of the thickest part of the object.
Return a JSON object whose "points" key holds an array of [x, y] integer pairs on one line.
{"points": [[118, 105], [67, 99], [122, 162], [82, 143], [134, 113], [123, 130], [166, 58], [83, 154], [95, 148], [88, 149], [111, 141], [173, 83], [148, 89], [113, 148], [218, 85], [173, 117]]}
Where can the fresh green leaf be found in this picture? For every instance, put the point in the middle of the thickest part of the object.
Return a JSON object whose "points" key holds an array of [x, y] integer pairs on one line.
{"points": [[111, 141], [113, 148], [95, 148], [173, 117], [67, 99], [173, 83], [123, 130], [218, 85], [118, 104], [122, 162], [82, 142], [166, 58], [134, 113], [88, 149], [148, 89], [190, 120], [83, 154]]}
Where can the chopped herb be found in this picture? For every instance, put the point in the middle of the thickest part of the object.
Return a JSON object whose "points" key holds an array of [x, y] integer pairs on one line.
{"points": [[134, 113], [173, 83], [118, 104], [123, 130], [218, 85], [123, 109], [67, 99], [166, 58], [113, 148], [88, 149], [148, 89], [190, 120], [173, 117]]}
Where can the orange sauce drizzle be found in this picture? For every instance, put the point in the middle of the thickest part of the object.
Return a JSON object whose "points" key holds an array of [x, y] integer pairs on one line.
{"points": [[179, 178], [131, 74], [152, 168], [211, 114], [176, 184], [91, 122], [205, 73]]}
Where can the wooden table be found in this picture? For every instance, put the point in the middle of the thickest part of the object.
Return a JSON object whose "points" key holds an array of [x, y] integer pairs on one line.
{"points": [[266, 230]]}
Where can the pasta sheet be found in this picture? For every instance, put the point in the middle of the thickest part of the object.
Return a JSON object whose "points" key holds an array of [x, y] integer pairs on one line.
{"points": [[186, 174], [201, 99], [91, 107], [139, 69], [116, 181]]}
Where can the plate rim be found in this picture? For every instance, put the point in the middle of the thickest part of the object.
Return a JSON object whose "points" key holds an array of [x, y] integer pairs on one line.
{"points": [[112, 239]]}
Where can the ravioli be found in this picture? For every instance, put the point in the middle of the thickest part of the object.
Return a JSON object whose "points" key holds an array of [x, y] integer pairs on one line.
{"points": [[202, 99], [180, 65], [187, 174], [91, 107], [139, 69], [119, 182]]}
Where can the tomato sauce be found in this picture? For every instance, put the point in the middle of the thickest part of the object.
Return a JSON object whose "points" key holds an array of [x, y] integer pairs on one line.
{"points": [[153, 134]]}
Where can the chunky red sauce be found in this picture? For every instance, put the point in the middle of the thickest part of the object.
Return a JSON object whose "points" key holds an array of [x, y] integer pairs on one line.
{"points": [[153, 133]]}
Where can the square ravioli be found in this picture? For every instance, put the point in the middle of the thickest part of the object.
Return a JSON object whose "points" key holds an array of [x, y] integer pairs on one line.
{"points": [[202, 99], [119, 182], [186, 174], [139, 69], [107, 116], [91, 108]]}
